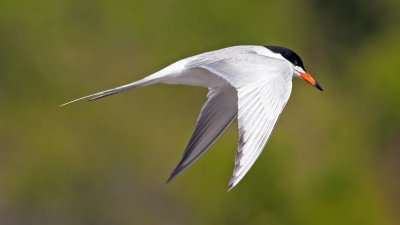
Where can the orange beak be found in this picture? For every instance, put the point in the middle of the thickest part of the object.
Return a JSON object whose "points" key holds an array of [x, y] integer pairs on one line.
{"points": [[307, 77]]}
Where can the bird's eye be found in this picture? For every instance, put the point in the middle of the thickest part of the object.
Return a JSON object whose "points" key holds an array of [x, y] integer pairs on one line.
{"points": [[295, 62]]}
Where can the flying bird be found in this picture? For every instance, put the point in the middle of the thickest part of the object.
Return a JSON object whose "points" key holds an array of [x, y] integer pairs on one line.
{"points": [[249, 83]]}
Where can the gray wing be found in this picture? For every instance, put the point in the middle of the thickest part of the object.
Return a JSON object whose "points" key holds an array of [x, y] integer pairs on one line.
{"points": [[215, 117], [263, 86], [259, 109]]}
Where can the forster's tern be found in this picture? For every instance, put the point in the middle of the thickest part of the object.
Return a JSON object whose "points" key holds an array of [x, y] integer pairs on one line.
{"points": [[250, 83]]}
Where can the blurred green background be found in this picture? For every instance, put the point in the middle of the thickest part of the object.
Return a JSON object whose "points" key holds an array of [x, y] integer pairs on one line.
{"points": [[333, 158]]}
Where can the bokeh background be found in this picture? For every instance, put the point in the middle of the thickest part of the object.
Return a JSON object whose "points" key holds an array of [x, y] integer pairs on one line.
{"points": [[333, 158]]}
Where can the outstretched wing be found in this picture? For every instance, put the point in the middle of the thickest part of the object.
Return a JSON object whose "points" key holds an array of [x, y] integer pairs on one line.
{"points": [[259, 109], [263, 86], [215, 117]]}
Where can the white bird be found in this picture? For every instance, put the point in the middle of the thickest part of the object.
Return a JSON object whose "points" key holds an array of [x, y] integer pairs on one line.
{"points": [[249, 83]]}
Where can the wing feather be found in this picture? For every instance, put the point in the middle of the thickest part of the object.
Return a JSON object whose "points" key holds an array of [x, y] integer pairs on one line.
{"points": [[215, 117], [263, 86], [255, 126]]}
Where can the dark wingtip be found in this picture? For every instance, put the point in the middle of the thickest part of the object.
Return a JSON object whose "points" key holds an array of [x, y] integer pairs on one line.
{"points": [[169, 179], [174, 173], [319, 87], [230, 187]]}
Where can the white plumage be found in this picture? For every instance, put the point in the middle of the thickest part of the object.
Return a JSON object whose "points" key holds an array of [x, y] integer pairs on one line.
{"points": [[250, 83]]}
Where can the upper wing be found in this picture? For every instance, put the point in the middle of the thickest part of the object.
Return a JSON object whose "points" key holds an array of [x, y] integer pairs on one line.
{"points": [[259, 109], [215, 117], [263, 86]]}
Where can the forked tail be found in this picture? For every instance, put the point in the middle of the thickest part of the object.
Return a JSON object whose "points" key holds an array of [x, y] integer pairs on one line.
{"points": [[140, 83]]}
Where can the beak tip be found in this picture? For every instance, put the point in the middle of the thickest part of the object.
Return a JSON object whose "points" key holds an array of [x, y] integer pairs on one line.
{"points": [[318, 87], [307, 77]]}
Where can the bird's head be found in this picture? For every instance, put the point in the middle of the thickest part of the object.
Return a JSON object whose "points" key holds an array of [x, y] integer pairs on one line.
{"points": [[297, 63]]}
